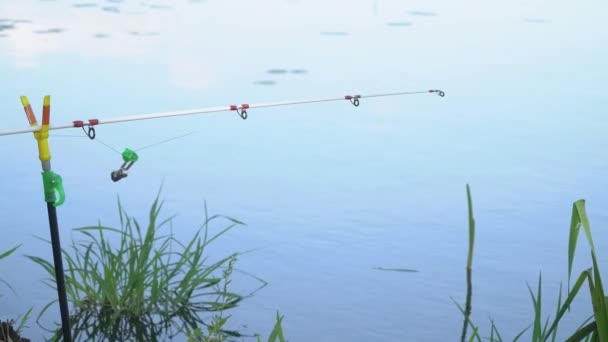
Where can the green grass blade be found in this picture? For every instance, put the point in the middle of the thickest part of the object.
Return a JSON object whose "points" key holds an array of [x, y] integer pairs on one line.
{"points": [[473, 335], [585, 322], [494, 330], [559, 304], [584, 221], [572, 239], [471, 228], [583, 333], [23, 320], [521, 333], [9, 252], [467, 320], [9, 286], [571, 295], [46, 307], [469, 269], [579, 219], [277, 331], [536, 331], [595, 337], [599, 303]]}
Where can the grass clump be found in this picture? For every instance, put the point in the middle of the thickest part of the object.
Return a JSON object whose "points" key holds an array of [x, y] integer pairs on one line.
{"points": [[593, 329], [147, 286], [276, 335]]}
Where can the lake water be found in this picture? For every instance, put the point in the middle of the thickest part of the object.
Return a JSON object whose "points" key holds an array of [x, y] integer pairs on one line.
{"points": [[328, 191]]}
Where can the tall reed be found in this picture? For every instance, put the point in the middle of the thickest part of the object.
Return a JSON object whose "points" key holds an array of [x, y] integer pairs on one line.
{"points": [[593, 329], [468, 306]]}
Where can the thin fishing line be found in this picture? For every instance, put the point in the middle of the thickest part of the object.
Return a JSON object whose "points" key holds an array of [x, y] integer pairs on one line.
{"points": [[394, 94], [67, 136], [164, 141], [108, 146]]}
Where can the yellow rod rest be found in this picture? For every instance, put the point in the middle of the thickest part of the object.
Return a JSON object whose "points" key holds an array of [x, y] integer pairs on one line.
{"points": [[42, 135]]}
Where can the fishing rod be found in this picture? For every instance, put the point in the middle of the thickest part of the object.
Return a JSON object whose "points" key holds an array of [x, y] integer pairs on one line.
{"points": [[130, 156], [54, 194], [241, 110]]}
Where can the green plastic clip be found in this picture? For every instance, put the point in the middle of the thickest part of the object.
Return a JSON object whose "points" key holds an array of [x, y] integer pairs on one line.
{"points": [[53, 183], [129, 156]]}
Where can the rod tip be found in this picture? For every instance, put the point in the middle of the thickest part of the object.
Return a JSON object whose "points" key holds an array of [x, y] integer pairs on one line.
{"points": [[25, 101], [47, 100]]}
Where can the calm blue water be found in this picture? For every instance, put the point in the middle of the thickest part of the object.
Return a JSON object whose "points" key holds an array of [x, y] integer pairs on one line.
{"points": [[328, 191]]}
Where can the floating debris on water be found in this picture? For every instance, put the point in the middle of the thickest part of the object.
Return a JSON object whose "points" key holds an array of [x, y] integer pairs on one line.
{"points": [[423, 13], [111, 9], [536, 20], [51, 30], [100, 35], [265, 82], [161, 7], [399, 23], [15, 21], [9, 24], [6, 27], [390, 269], [147, 34], [277, 71], [335, 33], [84, 5]]}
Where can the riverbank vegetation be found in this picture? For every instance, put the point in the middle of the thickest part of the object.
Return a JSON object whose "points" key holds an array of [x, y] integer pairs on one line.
{"points": [[138, 282], [594, 328]]}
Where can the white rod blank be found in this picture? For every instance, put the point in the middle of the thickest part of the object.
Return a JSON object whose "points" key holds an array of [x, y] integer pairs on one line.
{"points": [[206, 110]]}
